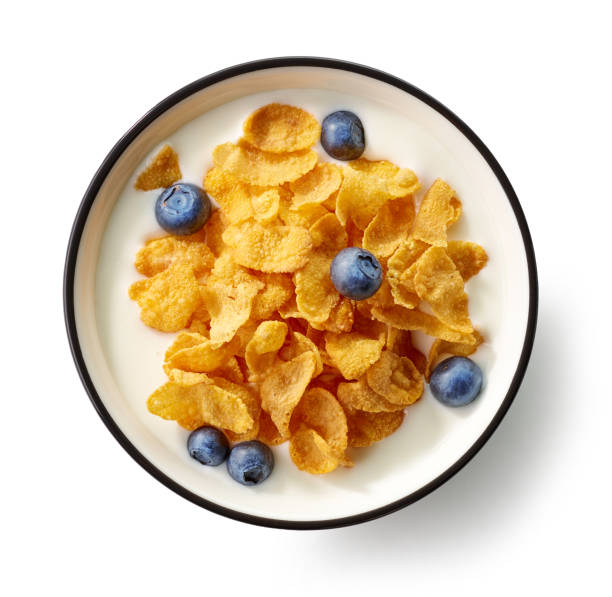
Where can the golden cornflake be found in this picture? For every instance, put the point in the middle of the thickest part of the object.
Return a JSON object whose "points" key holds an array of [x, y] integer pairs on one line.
{"points": [[469, 258], [251, 165], [250, 399], [196, 405], [269, 248], [357, 395], [168, 299], [439, 209], [202, 357], [229, 303], [311, 453], [319, 410], [214, 232], [277, 291], [396, 378], [413, 319], [279, 128], [352, 353], [299, 344], [303, 215], [260, 352], [163, 171], [283, 387], [438, 282], [268, 432], [389, 227], [159, 254], [400, 342], [367, 186], [366, 428], [317, 185]]}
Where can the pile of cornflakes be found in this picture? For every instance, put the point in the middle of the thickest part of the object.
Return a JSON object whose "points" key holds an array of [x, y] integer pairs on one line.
{"points": [[267, 348]]}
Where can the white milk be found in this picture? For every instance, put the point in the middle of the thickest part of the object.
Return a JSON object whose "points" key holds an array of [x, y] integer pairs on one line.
{"points": [[134, 352]]}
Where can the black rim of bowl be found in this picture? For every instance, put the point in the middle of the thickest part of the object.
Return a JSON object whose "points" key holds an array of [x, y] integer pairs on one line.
{"points": [[146, 120]]}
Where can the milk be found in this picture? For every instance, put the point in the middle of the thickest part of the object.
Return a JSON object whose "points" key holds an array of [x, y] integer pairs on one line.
{"points": [[134, 352]]}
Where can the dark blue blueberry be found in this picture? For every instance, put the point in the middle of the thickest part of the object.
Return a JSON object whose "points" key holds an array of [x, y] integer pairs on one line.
{"points": [[250, 463], [342, 135], [208, 446], [356, 273], [182, 208], [456, 381]]}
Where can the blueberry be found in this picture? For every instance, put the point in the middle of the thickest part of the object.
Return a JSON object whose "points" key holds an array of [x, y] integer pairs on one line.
{"points": [[208, 446], [456, 381], [342, 135], [356, 273], [250, 463], [182, 208]]}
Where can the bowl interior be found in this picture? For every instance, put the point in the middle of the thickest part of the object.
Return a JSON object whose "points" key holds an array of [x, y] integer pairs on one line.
{"points": [[123, 357]]}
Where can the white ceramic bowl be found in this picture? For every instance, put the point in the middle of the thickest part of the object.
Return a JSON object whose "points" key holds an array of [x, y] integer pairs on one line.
{"points": [[119, 359]]}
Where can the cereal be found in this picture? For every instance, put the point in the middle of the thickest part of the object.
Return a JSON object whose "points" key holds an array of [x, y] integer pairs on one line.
{"points": [[168, 299], [298, 345], [196, 405], [269, 248], [268, 432], [413, 319], [265, 205], [159, 254], [389, 227], [438, 282], [236, 204], [352, 353], [279, 128], [328, 235], [277, 291], [182, 341], [250, 399], [315, 294], [400, 342], [284, 386], [340, 319], [163, 171], [229, 304], [316, 186], [400, 272], [214, 232], [240, 201], [311, 453], [469, 258], [357, 395], [251, 165], [260, 352], [219, 183], [266, 347], [366, 428], [367, 186], [202, 357], [319, 410], [383, 298], [300, 215], [458, 349], [439, 209], [186, 378], [396, 378]]}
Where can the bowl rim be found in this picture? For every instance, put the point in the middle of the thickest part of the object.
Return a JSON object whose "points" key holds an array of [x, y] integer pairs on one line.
{"points": [[128, 138]]}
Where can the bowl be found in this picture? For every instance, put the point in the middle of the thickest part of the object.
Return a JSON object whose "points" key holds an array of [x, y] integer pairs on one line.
{"points": [[119, 359]]}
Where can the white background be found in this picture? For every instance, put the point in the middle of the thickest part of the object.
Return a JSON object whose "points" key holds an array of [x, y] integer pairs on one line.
{"points": [[531, 514]]}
